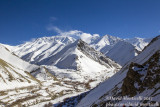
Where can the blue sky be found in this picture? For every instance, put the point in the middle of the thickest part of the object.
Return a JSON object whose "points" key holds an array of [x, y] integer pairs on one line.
{"points": [[21, 20]]}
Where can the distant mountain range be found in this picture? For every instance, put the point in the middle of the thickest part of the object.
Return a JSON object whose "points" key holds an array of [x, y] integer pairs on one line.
{"points": [[38, 50], [58, 67]]}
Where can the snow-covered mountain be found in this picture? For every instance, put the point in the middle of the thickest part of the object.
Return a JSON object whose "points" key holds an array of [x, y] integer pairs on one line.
{"points": [[105, 43], [139, 43], [60, 51], [75, 56], [122, 52], [137, 82], [41, 48]]}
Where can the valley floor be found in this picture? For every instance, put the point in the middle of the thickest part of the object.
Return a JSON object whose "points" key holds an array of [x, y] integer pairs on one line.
{"points": [[55, 86]]}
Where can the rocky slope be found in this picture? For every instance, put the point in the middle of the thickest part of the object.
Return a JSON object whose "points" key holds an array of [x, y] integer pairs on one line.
{"points": [[14, 70]]}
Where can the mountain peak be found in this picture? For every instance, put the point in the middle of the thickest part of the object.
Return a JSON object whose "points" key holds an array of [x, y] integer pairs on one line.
{"points": [[138, 42], [81, 43], [53, 39]]}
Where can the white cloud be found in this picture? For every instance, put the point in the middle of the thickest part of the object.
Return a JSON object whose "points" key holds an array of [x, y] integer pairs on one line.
{"points": [[54, 29], [71, 33], [87, 37], [96, 35]]}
